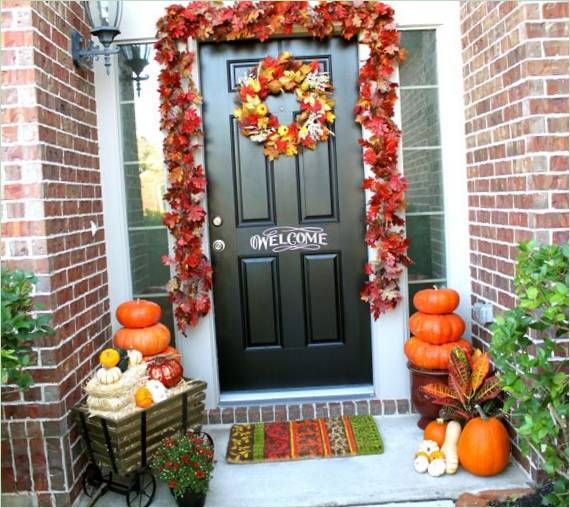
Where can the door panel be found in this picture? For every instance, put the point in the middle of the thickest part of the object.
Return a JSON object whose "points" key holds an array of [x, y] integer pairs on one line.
{"points": [[286, 287]]}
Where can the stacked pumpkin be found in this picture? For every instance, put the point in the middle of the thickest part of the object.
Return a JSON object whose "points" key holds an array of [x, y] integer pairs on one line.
{"points": [[436, 330], [142, 331]]}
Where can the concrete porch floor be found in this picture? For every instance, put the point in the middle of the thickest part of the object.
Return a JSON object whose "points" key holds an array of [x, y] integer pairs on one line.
{"points": [[367, 480]]}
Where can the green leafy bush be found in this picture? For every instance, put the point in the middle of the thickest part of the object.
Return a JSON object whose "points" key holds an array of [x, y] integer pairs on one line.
{"points": [[528, 348], [19, 326]]}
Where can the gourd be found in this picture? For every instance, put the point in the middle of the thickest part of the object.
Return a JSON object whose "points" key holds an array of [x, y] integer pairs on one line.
{"points": [[435, 430], [108, 376], [421, 462], [109, 358], [138, 313], [157, 389], [135, 357], [436, 301], [428, 446], [167, 370], [430, 356], [143, 397], [149, 341], [449, 448], [436, 467], [437, 328], [484, 445]]}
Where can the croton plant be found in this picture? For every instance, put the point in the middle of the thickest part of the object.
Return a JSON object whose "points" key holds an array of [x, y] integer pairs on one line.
{"points": [[469, 385]]}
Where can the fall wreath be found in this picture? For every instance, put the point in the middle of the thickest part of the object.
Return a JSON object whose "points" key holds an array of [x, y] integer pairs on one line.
{"points": [[274, 76], [375, 26]]}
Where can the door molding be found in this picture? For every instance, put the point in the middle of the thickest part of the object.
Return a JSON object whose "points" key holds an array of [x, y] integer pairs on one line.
{"points": [[199, 354]]}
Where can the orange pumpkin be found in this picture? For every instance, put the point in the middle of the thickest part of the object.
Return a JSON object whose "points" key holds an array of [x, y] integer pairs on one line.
{"points": [[169, 352], [143, 397], [430, 356], [138, 313], [484, 446], [437, 329], [149, 341], [435, 431], [436, 301], [109, 358]]}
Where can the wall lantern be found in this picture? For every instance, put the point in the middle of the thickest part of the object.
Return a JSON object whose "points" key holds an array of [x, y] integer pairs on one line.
{"points": [[104, 18], [136, 58]]}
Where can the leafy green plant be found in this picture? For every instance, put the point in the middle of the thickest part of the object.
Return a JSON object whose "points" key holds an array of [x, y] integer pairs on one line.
{"points": [[528, 348], [185, 462], [469, 385], [19, 326]]}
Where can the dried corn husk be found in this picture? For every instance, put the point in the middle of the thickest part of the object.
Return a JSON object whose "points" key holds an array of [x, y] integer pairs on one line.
{"points": [[130, 380]]}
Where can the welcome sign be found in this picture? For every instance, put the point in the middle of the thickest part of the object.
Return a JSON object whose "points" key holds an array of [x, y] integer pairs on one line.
{"points": [[284, 238]]}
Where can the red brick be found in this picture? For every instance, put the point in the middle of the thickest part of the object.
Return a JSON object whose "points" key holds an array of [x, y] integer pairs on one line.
{"points": [[555, 10]]}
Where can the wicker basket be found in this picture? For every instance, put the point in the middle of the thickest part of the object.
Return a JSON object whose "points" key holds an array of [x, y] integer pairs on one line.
{"points": [[126, 444]]}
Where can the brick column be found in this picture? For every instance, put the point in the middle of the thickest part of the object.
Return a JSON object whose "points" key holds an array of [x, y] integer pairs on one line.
{"points": [[52, 200], [515, 67]]}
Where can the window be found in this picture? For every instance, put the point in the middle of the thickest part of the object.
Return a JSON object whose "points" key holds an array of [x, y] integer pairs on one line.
{"points": [[144, 176], [422, 161]]}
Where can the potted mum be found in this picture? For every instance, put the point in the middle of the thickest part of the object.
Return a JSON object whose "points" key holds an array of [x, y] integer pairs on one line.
{"points": [[185, 462]]}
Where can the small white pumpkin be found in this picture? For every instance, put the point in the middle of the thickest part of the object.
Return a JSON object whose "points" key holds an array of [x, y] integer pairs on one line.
{"points": [[135, 357], [157, 389], [108, 376], [428, 446], [436, 467], [421, 462]]}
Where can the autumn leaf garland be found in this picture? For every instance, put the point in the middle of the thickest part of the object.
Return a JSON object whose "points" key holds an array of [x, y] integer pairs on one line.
{"points": [[181, 122]]}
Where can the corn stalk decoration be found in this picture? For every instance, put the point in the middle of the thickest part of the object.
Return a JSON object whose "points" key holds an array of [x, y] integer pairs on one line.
{"points": [[469, 385]]}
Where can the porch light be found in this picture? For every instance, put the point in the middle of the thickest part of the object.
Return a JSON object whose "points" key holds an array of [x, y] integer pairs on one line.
{"points": [[104, 18], [136, 58]]}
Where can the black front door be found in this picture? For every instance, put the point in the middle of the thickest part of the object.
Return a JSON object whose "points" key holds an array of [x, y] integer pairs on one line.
{"points": [[286, 315]]}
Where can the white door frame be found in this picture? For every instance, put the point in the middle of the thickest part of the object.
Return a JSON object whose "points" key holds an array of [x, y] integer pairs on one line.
{"points": [[388, 334]]}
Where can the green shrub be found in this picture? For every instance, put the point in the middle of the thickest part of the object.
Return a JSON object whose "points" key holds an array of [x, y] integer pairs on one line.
{"points": [[19, 326], [529, 354]]}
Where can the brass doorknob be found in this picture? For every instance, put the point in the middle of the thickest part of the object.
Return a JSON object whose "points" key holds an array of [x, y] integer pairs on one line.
{"points": [[219, 245]]}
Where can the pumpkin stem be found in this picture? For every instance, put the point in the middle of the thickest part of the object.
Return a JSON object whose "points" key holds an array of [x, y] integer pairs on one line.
{"points": [[440, 420], [481, 412]]}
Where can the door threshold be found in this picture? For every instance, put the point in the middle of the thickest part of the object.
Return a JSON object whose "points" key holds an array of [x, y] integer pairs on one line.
{"points": [[259, 397]]}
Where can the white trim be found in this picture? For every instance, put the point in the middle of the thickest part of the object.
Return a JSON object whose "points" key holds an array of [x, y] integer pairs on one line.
{"points": [[113, 188], [391, 379], [297, 394]]}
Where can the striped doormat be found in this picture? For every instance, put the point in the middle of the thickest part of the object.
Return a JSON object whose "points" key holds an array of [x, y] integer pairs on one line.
{"points": [[304, 439]]}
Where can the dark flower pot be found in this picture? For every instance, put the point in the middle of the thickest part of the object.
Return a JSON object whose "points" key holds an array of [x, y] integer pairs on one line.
{"points": [[422, 404], [190, 498]]}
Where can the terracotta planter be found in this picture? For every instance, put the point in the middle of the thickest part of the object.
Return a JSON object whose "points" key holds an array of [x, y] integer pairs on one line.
{"points": [[422, 404]]}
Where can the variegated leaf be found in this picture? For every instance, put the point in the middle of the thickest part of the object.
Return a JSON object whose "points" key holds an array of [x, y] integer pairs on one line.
{"points": [[449, 402], [460, 373], [459, 390], [438, 390], [490, 388], [480, 370]]}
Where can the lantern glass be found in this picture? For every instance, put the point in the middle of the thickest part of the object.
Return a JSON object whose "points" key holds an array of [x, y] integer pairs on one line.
{"points": [[103, 14]]}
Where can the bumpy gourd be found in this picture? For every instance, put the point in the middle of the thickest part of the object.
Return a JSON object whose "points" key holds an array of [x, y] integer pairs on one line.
{"points": [[421, 462], [428, 446], [109, 376], [436, 467], [135, 357], [449, 448]]}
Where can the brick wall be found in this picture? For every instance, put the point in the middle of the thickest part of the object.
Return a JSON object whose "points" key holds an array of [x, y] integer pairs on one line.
{"points": [[515, 67], [51, 195]]}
